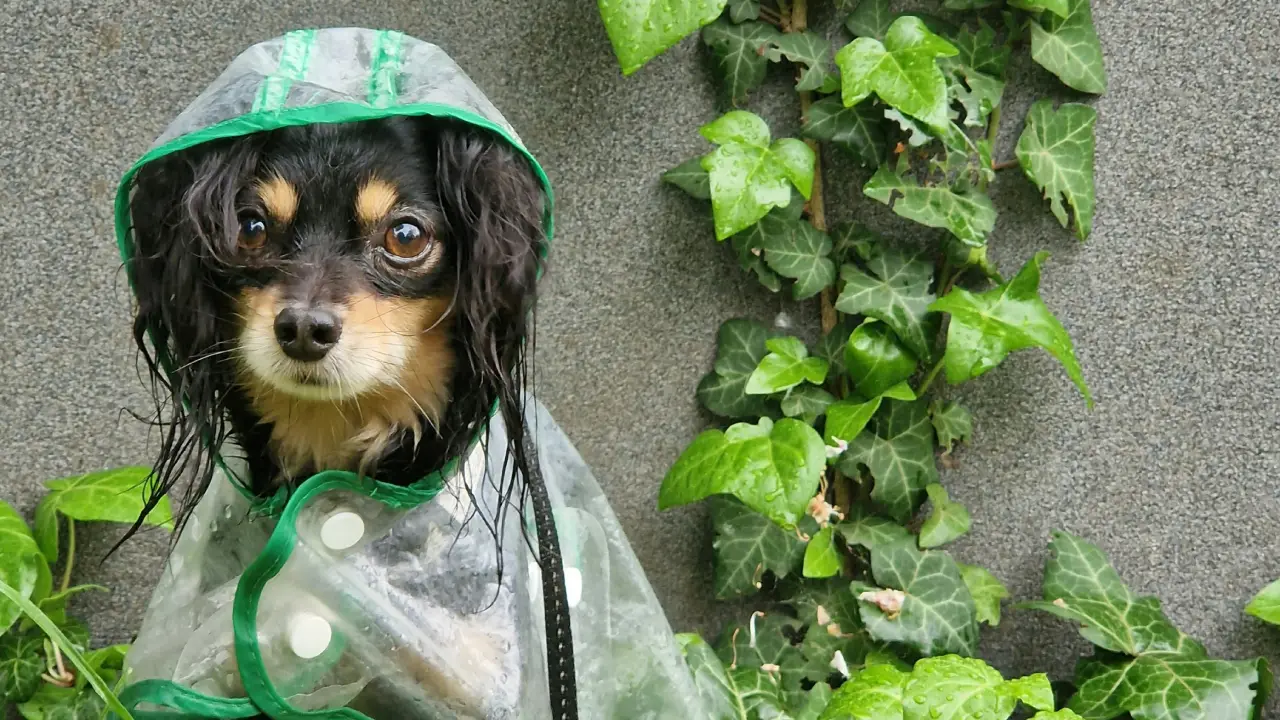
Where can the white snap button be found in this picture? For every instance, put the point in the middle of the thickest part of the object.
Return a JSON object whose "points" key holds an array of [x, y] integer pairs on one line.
{"points": [[573, 585], [309, 635], [342, 530]]}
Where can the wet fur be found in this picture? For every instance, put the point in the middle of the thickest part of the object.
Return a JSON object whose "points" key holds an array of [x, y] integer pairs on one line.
{"points": [[464, 320]]}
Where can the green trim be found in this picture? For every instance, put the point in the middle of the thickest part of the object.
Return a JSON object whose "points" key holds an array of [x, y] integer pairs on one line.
{"points": [[188, 702], [384, 75], [295, 58]]}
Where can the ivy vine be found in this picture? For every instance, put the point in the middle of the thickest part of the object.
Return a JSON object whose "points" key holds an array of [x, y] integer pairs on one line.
{"points": [[822, 475]]}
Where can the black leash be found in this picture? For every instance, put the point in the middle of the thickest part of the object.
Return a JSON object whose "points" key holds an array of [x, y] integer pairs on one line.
{"points": [[561, 678]]}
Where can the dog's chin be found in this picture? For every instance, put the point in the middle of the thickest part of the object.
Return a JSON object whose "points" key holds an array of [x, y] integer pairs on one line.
{"points": [[333, 379]]}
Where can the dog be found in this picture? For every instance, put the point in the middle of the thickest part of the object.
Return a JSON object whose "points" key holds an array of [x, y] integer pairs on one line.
{"points": [[354, 296]]}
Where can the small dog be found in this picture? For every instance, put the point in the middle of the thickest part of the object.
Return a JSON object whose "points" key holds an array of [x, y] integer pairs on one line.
{"points": [[335, 296]]}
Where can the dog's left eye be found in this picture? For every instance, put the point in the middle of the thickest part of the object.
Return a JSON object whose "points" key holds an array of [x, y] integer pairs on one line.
{"points": [[253, 232], [406, 241]]}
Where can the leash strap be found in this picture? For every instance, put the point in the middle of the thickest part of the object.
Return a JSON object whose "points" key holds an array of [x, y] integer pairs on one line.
{"points": [[561, 677]]}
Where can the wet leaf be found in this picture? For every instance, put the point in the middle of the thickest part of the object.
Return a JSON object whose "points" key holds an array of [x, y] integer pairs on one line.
{"points": [[740, 346], [986, 327], [767, 643], [897, 447], [960, 688], [807, 402], [876, 359], [810, 704], [20, 561], [1061, 8], [21, 662], [730, 694], [1069, 48], [968, 4], [963, 256], [871, 531], [937, 614], [690, 177], [858, 130], [902, 71], [1063, 714], [743, 10], [952, 423], [810, 50], [740, 52], [947, 520], [115, 495], [896, 293], [968, 215], [980, 52], [55, 703], [795, 249], [746, 245], [1056, 151], [831, 346], [876, 693], [871, 18], [821, 559], [748, 174], [787, 365], [847, 418], [773, 468], [987, 592], [977, 92], [917, 135], [640, 30], [747, 545], [1266, 604]]}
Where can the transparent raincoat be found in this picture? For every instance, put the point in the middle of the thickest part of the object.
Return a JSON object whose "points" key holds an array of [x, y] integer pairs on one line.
{"points": [[350, 598]]}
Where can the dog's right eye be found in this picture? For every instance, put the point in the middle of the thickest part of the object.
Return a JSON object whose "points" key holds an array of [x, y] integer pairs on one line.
{"points": [[253, 232]]}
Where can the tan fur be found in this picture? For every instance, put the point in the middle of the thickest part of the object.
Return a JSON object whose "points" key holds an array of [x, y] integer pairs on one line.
{"points": [[349, 432], [280, 199], [374, 200]]}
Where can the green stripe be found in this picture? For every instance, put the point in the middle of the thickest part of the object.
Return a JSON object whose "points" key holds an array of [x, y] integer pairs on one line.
{"points": [[383, 77], [295, 57]]}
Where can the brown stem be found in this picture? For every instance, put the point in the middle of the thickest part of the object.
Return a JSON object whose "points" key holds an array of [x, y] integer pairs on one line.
{"points": [[1005, 165]]}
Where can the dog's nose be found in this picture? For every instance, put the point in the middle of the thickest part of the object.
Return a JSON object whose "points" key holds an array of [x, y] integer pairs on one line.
{"points": [[307, 334]]}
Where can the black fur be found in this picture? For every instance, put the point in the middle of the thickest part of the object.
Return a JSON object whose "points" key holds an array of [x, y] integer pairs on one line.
{"points": [[479, 192]]}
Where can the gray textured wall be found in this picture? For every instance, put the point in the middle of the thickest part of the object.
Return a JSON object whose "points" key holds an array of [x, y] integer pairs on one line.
{"points": [[1171, 302]]}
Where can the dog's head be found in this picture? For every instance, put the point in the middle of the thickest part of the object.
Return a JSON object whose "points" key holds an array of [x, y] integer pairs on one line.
{"points": [[353, 296]]}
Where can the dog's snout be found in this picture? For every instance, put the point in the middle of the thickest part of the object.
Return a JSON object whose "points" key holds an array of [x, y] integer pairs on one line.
{"points": [[307, 334]]}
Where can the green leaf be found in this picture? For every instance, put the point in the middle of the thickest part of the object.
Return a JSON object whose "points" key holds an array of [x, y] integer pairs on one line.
{"points": [[748, 175], [1266, 604], [740, 346], [871, 19], [20, 561], [977, 92], [987, 592], [876, 360], [898, 450], [747, 545], [21, 662], [773, 468], [690, 177], [960, 688], [739, 52], [947, 520], [640, 30], [902, 71], [917, 135], [858, 130], [787, 365], [821, 559], [795, 249], [896, 293], [967, 215], [750, 254], [968, 4], [57, 703], [872, 532], [936, 614], [952, 423], [876, 693], [1063, 714], [1056, 152], [115, 495], [1152, 670], [744, 10], [854, 241], [831, 346], [986, 327], [766, 643], [1061, 8], [979, 51], [46, 529], [55, 606], [1069, 48], [810, 50], [815, 700], [807, 402], [847, 418]]}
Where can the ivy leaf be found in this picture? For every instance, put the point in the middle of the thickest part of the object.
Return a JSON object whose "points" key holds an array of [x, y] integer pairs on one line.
{"points": [[952, 423], [853, 240], [750, 258], [870, 19], [740, 346], [821, 559], [917, 136], [1069, 48], [787, 365], [898, 450], [46, 527], [968, 4], [743, 10], [831, 346], [21, 662], [640, 30], [748, 175], [876, 693], [1063, 714], [1147, 667], [1266, 604], [20, 561], [987, 592], [795, 249], [773, 468], [986, 327], [729, 694], [936, 614], [115, 495], [51, 702], [55, 606], [968, 215], [947, 521], [1056, 152], [857, 130], [690, 177], [960, 688], [977, 92], [979, 51], [1061, 8], [902, 71], [739, 52], [810, 50], [847, 418], [806, 401], [872, 532], [896, 293], [964, 256], [747, 545], [766, 643], [876, 360], [812, 703]]}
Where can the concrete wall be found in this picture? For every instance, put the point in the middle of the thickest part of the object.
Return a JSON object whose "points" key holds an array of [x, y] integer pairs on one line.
{"points": [[1171, 302]]}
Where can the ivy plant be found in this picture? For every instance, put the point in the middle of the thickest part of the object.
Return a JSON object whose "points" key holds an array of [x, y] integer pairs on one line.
{"points": [[47, 669], [822, 472]]}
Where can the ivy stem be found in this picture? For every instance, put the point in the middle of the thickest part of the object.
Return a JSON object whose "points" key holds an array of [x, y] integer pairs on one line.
{"points": [[993, 126], [71, 556], [928, 379], [1007, 164]]}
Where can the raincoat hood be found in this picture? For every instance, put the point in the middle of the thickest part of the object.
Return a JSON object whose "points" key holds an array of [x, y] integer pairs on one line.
{"points": [[350, 598]]}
